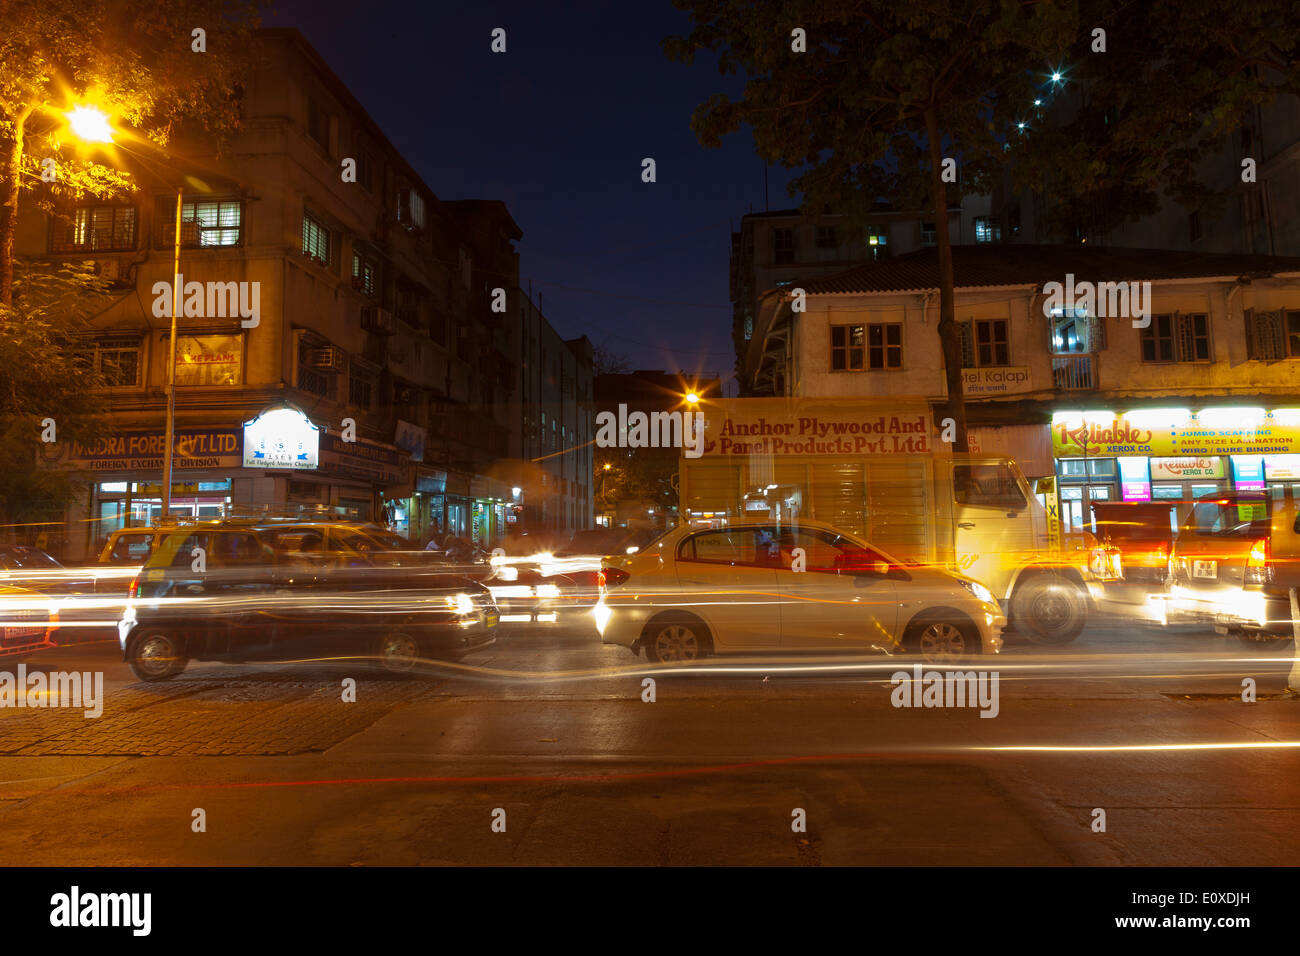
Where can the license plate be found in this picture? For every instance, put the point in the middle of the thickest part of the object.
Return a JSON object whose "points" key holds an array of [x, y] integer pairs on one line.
{"points": [[491, 618], [1205, 569]]}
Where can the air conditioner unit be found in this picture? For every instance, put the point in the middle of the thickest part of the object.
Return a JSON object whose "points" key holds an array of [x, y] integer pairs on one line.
{"points": [[379, 321], [328, 358], [113, 270]]}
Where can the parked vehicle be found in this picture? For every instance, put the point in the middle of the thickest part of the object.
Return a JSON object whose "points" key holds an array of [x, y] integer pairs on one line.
{"points": [[222, 592], [27, 623], [1221, 569], [883, 474], [1135, 540], [739, 589]]}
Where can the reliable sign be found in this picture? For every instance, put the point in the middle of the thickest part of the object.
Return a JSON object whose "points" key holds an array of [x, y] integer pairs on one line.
{"points": [[1189, 439], [760, 426]]}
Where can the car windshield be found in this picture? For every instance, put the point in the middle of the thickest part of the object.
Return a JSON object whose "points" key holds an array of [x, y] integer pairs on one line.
{"points": [[1232, 517]]}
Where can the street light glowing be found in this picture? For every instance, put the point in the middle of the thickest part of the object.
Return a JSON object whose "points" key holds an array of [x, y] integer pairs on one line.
{"points": [[692, 398], [90, 124]]}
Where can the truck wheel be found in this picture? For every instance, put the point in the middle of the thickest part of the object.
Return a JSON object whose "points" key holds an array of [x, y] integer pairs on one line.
{"points": [[156, 655], [1049, 610]]}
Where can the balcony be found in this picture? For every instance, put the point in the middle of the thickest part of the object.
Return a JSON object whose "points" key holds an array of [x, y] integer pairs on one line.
{"points": [[1074, 373]]}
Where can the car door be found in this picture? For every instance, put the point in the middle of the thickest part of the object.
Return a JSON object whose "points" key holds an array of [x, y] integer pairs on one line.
{"points": [[239, 586], [843, 599], [720, 579]]}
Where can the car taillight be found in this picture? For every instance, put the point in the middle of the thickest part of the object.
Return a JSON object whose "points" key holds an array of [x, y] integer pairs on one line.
{"points": [[612, 577], [1259, 567], [134, 588]]}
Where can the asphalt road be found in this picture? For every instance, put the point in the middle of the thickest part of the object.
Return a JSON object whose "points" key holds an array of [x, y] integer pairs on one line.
{"points": [[540, 749]]}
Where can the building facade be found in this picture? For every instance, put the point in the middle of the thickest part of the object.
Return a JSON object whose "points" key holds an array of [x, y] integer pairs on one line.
{"points": [[1204, 397], [386, 319]]}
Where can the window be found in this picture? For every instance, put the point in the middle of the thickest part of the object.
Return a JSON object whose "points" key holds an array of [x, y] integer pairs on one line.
{"points": [[410, 208], [1240, 517], [988, 486], [204, 222], [1194, 226], [885, 346], [1176, 338], [847, 347], [928, 237], [987, 229], [318, 123], [316, 243], [826, 552], [95, 229], [826, 237], [209, 359], [365, 273], [311, 379], [1271, 336], [720, 547], [117, 360], [783, 246], [990, 346], [132, 548], [365, 169], [361, 388]]}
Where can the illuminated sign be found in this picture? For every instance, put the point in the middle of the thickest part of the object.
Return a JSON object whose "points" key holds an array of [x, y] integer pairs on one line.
{"points": [[282, 438], [1135, 484], [1201, 435], [1179, 469]]}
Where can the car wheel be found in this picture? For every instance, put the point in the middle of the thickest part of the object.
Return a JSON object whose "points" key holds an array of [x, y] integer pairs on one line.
{"points": [[1049, 610], [156, 655], [943, 640], [674, 642], [399, 652]]}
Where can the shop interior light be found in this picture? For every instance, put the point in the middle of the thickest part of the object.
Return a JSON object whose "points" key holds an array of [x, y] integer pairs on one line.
{"points": [[1067, 418], [1158, 417], [1099, 417], [1227, 417]]}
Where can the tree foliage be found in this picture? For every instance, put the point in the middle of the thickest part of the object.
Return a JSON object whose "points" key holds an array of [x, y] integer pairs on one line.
{"points": [[45, 379], [884, 92], [135, 60], [1175, 80]]}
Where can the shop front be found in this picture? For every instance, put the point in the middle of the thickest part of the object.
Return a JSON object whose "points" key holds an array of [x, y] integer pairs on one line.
{"points": [[1172, 455]]}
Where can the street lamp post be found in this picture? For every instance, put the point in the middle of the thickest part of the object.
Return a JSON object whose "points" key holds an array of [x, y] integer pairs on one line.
{"points": [[169, 439]]}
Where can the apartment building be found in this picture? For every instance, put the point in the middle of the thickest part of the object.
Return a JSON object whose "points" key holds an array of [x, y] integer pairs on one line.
{"points": [[1204, 397], [553, 441], [780, 249], [380, 330]]}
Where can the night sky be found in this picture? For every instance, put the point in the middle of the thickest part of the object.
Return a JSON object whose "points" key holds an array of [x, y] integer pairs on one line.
{"points": [[557, 127]]}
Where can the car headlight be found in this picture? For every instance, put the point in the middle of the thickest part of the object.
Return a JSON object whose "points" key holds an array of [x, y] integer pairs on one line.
{"points": [[977, 589], [461, 604]]}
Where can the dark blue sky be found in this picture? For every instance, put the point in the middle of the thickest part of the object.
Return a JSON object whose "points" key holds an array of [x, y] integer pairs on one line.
{"points": [[557, 127]]}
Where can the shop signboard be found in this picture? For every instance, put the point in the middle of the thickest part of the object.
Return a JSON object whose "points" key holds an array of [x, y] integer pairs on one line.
{"points": [[128, 451], [1187, 437], [774, 426], [1183, 469], [995, 381], [369, 461], [1247, 473], [1135, 481], [1282, 467], [282, 437]]}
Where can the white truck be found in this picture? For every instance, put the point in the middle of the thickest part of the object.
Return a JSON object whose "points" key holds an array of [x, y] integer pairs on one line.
{"points": [[882, 472]]}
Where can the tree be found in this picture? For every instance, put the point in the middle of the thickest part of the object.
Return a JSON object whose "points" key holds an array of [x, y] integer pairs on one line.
{"points": [[48, 397], [884, 93], [1152, 89], [605, 361], [137, 60]]}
